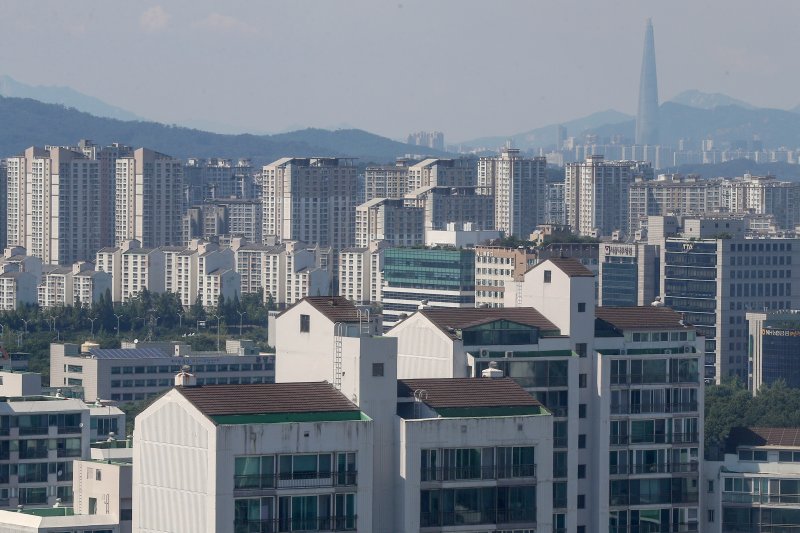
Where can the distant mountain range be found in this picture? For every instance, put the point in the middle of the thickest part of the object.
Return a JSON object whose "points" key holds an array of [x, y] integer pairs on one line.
{"points": [[29, 122], [701, 100]]}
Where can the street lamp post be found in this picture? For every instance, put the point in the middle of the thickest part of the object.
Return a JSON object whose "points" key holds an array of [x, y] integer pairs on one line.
{"points": [[118, 317], [26, 324], [241, 315], [180, 320], [217, 317], [92, 321]]}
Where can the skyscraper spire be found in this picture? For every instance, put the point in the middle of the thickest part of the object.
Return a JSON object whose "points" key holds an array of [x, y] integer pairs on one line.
{"points": [[647, 115]]}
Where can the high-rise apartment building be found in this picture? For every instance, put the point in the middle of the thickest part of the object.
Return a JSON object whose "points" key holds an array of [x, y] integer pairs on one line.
{"points": [[518, 184], [390, 220], [361, 273], [458, 205], [387, 181], [3, 204], [54, 204], [311, 200], [596, 194], [442, 173], [494, 267], [428, 139], [149, 199], [554, 204]]}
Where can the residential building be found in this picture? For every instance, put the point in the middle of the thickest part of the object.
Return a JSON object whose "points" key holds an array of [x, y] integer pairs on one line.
{"points": [[460, 236], [428, 139], [204, 272], [459, 205], [714, 274], [217, 179], [361, 273], [554, 208], [78, 285], [774, 341], [753, 489], [149, 199], [629, 274], [283, 273], [436, 277], [494, 267], [442, 173], [3, 204], [17, 289], [386, 181], [283, 456], [311, 200], [53, 204], [222, 220], [596, 194], [518, 185], [390, 220], [134, 374]]}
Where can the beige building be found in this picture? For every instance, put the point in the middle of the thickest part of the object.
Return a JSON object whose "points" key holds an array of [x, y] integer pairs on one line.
{"points": [[79, 284], [149, 198], [459, 205], [494, 267], [442, 173], [389, 220], [387, 181], [54, 204], [361, 273], [518, 184]]}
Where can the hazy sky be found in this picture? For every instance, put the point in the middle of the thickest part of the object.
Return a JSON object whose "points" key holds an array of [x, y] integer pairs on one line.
{"points": [[467, 68]]}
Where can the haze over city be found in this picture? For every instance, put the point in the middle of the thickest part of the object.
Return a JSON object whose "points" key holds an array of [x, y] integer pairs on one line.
{"points": [[466, 68]]}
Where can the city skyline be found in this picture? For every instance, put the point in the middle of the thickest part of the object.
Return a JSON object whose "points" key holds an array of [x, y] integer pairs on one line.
{"points": [[262, 80]]}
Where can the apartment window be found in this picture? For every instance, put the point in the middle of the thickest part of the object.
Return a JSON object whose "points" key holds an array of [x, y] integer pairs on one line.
{"points": [[305, 323], [548, 276], [581, 307], [581, 529], [582, 410], [92, 505], [582, 441], [582, 379], [711, 515], [581, 502], [580, 349], [581, 471], [377, 370], [710, 486]]}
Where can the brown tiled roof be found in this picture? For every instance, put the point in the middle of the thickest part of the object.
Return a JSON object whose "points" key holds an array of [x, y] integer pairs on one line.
{"points": [[571, 267], [467, 392], [267, 398], [760, 436], [641, 318], [336, 308], [453, 318]]}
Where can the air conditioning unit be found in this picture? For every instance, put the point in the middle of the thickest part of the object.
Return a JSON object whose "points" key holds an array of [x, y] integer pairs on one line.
{"points": [[484, 353], [509, 354]]}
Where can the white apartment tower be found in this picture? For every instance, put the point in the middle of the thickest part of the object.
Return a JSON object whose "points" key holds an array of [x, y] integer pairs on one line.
{"points": [[519, 190], [311, 200], [596, 194], [54, 204], [149, 199]]}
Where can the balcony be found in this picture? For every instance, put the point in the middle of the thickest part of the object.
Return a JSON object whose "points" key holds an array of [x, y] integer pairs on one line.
{"points": [[660, 438], [646, 379], [467, 518], [646, 408], [63, 430], [467, 473], [68, 452], [683, 527], [34, 430], [654, 468], [761, 499], [336, 523], [296, 480]]}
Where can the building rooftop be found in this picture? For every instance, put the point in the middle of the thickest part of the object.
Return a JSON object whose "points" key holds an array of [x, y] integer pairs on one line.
{"points": [[470, 397], [762, 436], [642, 318], [120, 353], [335, 308], [452, 319], [254, 403], [571, 267]]}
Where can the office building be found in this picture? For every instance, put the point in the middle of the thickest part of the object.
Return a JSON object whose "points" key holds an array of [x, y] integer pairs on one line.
{"points": [[311, 200], [629, 274], [442, 173], [414, 277], [714, 274], [53, 204], [518, 185], [596, 194], [149, 199], [135, 374], [774, 342], [754, 487], [647, 114], [386, 181], [391, 221]]}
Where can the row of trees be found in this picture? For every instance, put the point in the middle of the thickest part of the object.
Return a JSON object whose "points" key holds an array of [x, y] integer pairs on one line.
{"points": [[731, 404]]}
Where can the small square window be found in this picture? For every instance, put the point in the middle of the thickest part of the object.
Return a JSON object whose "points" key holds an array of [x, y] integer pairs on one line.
{"points": [[377, 370], [548, 276], [305, 323], [581, 349], [581, 307]]}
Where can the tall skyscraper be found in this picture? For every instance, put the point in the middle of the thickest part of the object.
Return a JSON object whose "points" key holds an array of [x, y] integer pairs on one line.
{"points": [[519, 190], [149, 199], [647, 115], [54, 204]]}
